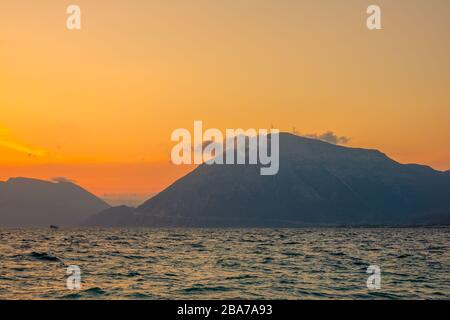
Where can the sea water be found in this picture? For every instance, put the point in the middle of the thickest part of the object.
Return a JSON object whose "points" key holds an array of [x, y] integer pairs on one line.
{"points": [[225, 263]]}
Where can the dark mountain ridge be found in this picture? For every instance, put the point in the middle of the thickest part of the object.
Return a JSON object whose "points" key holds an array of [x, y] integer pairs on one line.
{"points": [[28, 202], [318, 184]]}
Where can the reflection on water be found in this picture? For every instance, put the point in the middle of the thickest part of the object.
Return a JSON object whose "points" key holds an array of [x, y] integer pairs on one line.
{"points": [[225, 264]]}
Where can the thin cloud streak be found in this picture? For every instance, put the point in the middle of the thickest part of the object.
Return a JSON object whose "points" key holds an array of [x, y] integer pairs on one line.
{"points": [[9, 143], [22, 148]]}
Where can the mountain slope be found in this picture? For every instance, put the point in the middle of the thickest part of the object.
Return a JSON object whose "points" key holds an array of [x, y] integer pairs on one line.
{"points": [[318, 184], [35, 203], [120, 216]]}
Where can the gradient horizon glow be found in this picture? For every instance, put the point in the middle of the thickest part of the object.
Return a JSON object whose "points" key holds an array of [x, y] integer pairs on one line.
{"points": [[98, 105]]}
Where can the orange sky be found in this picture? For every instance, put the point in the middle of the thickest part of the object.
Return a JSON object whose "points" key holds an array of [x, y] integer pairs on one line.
{"points": [[98, 105]]}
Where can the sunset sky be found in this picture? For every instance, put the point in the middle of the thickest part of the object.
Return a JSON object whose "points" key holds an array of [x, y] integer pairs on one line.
{"points": [[98, 105]]}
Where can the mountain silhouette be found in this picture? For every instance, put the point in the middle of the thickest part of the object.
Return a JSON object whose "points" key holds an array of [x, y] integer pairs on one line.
{"points": [[28, 202], [318, 184], [120, 216]]}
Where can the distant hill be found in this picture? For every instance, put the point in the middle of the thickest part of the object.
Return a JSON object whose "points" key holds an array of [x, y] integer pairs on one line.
{"points": [[35, 203], [318, 184], [120, 216]]}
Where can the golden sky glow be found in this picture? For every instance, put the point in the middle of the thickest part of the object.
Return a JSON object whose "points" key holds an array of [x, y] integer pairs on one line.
{"points": [[98, 105]]}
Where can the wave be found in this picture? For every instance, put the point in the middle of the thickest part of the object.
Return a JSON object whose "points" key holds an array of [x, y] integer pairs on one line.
{"points": [[44, 256]]}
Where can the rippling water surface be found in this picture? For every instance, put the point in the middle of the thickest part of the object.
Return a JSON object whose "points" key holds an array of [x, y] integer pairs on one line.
{"points": [[225, 264]]}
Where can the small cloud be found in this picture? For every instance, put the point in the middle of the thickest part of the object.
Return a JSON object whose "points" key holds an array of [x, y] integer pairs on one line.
{"points": [[62, 179], [329, 137]]}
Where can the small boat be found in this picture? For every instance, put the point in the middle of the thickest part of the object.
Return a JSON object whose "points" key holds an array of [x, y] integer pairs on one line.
{"points": [[54, 227]]}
